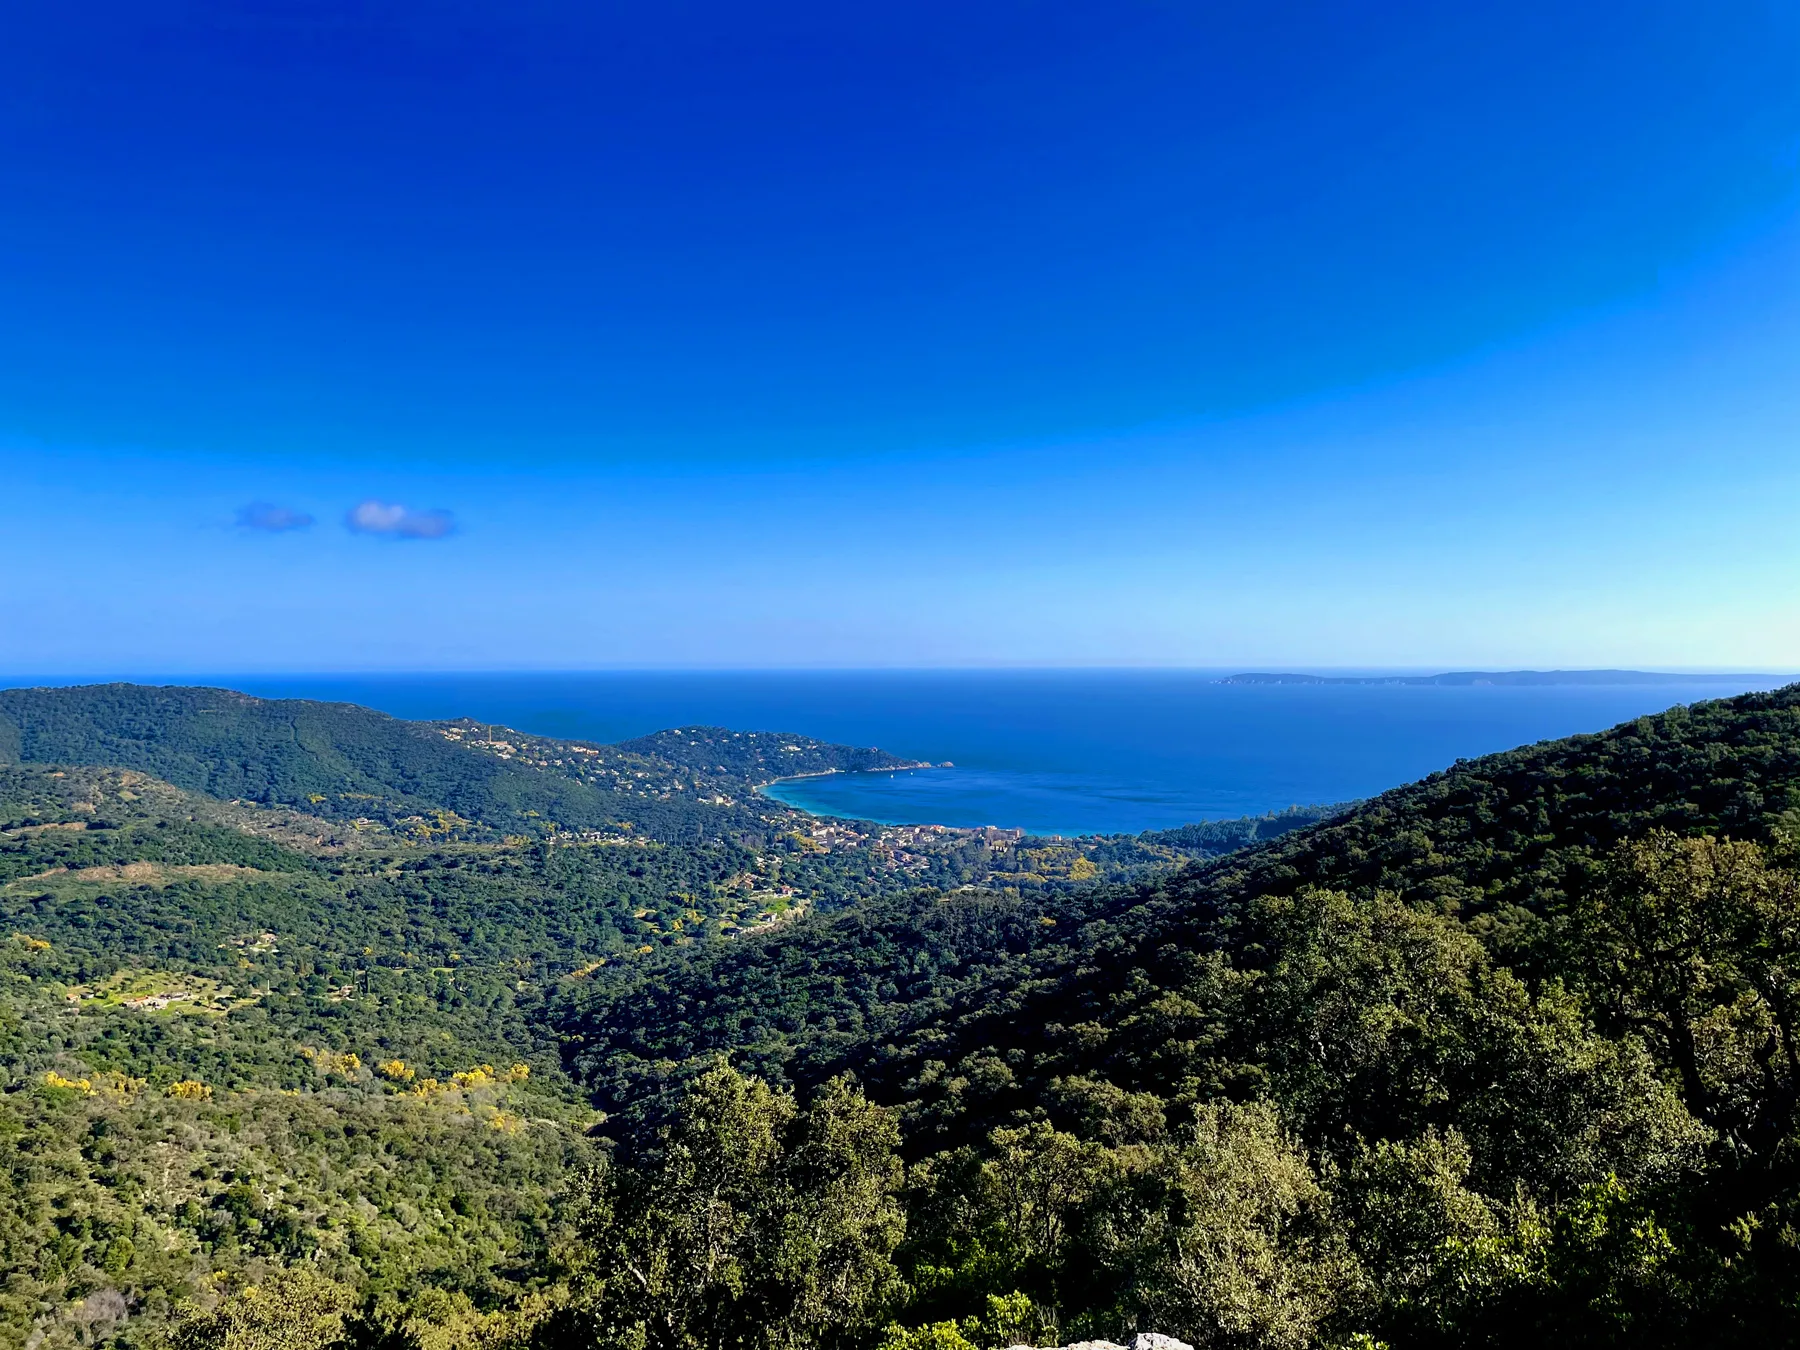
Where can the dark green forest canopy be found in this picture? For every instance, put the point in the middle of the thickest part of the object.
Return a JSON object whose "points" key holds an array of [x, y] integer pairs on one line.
{"points": [[1542, 987], [1530, 1015], [1501, 843], [358, 910], [1503, 1056]]}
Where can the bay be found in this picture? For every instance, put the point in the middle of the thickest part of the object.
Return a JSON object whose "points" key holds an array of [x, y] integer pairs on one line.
{"points": [[1052, 752]]}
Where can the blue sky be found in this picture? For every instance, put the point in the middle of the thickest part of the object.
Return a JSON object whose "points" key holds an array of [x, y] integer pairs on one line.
{"points": [[540, 336]]}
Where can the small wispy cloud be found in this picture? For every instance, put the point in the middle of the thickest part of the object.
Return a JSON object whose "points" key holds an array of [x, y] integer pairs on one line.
{"points": [[399, 522], [273, 519]]}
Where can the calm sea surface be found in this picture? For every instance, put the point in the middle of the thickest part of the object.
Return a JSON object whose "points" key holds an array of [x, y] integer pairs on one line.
{"points": [[1052, 752]]}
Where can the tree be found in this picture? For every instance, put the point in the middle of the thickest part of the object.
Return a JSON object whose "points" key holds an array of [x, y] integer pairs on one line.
{"points": [[1694, 946], [295, 1309], [751, 1224], [1225, 1239]]}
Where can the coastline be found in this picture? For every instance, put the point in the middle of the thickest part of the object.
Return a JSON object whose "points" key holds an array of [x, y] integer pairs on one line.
{"points": [[761, 790], [989, 832]]}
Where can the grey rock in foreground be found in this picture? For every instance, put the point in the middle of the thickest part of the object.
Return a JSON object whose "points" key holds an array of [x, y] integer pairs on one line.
{"points": [[1144, 1340]]}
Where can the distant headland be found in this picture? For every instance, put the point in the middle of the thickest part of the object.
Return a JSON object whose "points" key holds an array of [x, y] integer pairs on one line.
{"points": [[1523, 677]]}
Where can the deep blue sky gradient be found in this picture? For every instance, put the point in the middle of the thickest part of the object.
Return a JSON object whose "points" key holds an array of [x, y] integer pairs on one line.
{"points": [[1400, 334]]}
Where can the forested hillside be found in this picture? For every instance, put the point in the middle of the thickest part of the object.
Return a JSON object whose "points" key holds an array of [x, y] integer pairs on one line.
{"points": [[1503, 1056], [340, 761], [303, 916], [1530, 992], [1499, 844]]}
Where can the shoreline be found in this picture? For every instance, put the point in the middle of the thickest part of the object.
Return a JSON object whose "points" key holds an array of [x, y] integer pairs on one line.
{"points": [[1014, 833], [1017, 831], [762, 790]]}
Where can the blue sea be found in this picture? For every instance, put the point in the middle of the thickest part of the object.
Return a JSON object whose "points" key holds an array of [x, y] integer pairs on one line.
{"points": [[1052, 752]]}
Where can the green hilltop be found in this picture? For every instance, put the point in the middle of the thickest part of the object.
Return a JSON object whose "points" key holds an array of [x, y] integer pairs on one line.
{"points": [[341, 761]]}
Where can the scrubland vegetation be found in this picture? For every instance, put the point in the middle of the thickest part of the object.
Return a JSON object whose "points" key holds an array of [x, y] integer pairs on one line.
{"points": [[325, 1030]]}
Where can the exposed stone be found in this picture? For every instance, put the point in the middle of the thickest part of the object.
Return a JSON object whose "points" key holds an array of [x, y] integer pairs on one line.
{"points": [[1144, 1340], [1151, 1340]]}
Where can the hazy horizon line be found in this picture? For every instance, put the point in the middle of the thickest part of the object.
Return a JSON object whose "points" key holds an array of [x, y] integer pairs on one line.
{"points": [[150, 676]]}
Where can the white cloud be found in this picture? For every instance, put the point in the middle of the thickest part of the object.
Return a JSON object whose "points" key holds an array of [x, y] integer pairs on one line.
{"points": [[399, 522]]}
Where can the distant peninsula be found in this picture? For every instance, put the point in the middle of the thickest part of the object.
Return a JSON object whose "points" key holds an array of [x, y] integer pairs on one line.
{"points": [[1520, 677]]}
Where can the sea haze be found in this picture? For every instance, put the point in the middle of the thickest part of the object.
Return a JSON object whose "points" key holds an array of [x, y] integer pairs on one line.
{"points": [[1053, 752]]}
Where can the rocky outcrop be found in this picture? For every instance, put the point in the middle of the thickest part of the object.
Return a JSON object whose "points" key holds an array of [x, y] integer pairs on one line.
{"points": [[1144, 1340]]}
